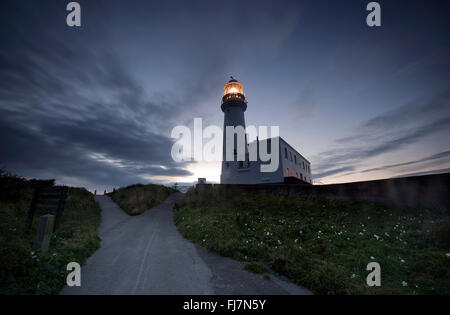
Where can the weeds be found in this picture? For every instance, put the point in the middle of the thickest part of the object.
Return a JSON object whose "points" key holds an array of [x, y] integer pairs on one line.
{"points": [[136, 199], [323, 244], [25, 271]]}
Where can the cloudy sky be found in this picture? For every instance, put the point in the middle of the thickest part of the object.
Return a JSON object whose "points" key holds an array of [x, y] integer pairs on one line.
{"points": [[94, 106]]}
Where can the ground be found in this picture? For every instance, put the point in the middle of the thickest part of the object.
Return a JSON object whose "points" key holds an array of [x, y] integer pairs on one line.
{"points": [[145, 254], [323, 244], [26, 271]]}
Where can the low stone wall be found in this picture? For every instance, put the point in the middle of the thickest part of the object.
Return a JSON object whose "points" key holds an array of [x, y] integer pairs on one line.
{"points": [[429, 191]]}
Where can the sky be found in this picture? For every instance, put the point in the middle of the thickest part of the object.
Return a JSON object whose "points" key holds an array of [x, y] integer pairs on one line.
{"points": [[94, 106]]}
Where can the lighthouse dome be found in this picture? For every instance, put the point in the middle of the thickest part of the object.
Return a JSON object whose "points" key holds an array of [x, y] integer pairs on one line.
{"points": [[233, 88]]}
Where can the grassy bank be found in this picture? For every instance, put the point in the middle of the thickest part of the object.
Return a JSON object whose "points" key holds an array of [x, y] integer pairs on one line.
{"points": [[136, 199], [323, 244], [24, 271]]}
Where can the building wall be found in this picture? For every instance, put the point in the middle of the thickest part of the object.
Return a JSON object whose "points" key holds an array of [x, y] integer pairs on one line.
{"points": [[429, 191], [235, 175], [252, 175], [296, 163]]}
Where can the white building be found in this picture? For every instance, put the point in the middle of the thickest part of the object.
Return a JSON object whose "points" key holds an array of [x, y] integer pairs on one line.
{"points": [[292, 167]]}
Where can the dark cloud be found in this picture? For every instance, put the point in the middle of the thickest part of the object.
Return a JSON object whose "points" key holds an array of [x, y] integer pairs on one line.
{"points": [[387, 133], [95, 105], [333, 171], [440, 171], [75, 113], [435, 107], [429, 158]]}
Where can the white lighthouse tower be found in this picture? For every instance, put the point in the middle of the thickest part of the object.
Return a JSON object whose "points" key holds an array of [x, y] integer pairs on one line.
{"points": [[234, 105]]}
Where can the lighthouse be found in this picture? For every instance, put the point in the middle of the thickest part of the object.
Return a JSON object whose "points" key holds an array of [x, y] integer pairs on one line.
{"points": [[234, 106], [291, 166]]}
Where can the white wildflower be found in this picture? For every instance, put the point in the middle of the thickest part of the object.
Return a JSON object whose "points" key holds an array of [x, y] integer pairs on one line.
{"points": [[404, 283]]}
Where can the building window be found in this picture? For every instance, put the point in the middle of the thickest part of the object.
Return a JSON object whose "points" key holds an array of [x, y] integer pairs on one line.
{"points": [[295, 158], [287, 172], [290, 153], [301, 176], [285, 153], [228, 164]]}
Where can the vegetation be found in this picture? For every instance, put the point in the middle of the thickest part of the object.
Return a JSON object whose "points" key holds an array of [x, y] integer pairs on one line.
{"points": [[25, 271], [136, 199], [324, 244], [255, 268]]}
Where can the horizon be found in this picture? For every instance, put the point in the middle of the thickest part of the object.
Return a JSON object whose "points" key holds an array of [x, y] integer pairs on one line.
{"points": [[94, 107]]}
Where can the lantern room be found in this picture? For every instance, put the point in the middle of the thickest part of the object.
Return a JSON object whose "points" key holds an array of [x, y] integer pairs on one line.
{"points": [[233, 90]]}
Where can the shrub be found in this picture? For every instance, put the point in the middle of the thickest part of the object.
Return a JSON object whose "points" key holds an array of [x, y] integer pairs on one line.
{"points": [[136, 199]]}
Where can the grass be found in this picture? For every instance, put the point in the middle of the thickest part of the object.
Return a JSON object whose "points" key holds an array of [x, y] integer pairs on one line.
{"points": [[324, 244], [25, 271], [136, 199], [255, 268]]}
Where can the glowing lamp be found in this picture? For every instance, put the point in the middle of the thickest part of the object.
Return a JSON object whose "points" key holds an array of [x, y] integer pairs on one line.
{"points": [[233, 87]]}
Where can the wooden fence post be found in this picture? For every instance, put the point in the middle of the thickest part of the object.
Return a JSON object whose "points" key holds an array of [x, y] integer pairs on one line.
{"points": [[44, 232], [32, 209], [60, 209]]}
